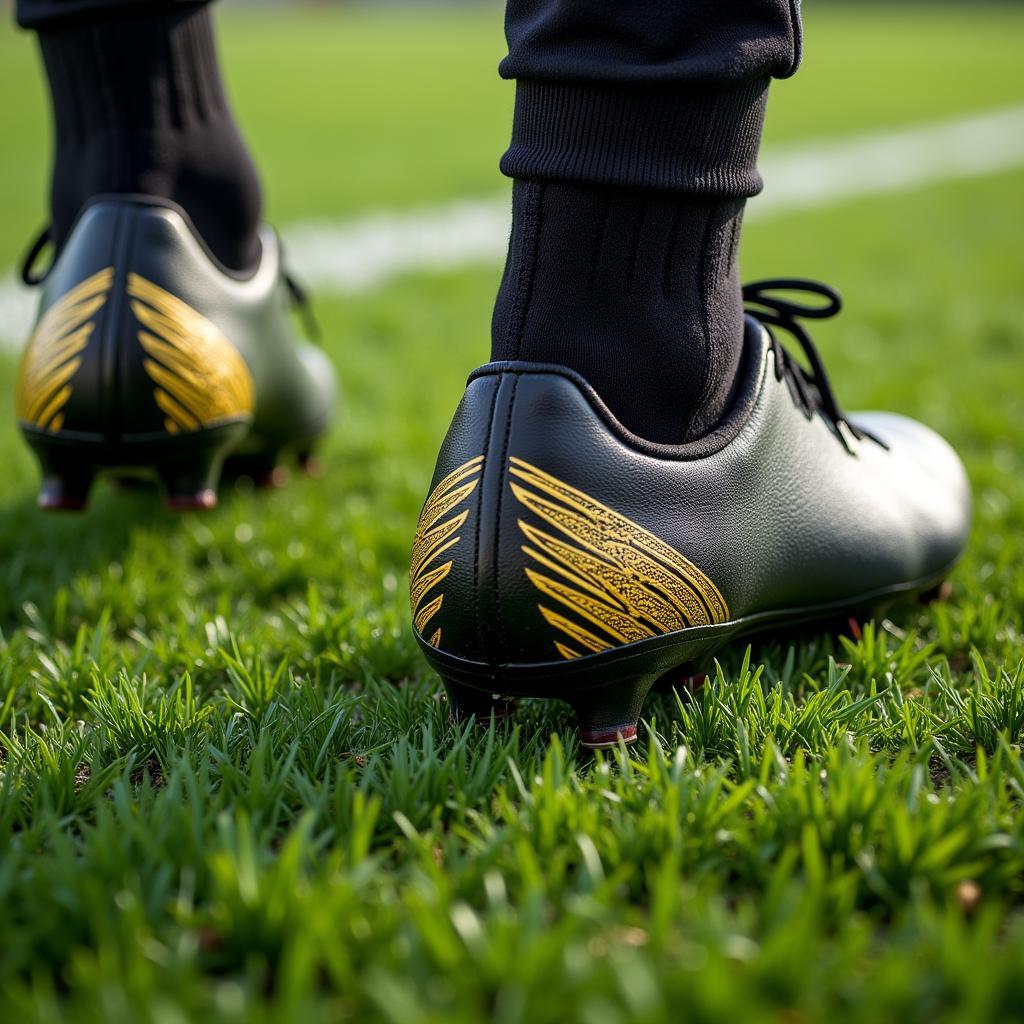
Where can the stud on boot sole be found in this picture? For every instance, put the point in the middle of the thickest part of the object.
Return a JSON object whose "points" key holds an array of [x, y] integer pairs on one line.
{"points": [[189, 467], [190, 483], [67, 478], [66, 491], [610, 714], [465, 703]]}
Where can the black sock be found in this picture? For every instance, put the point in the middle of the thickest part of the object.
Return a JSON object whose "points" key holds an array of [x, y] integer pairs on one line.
{"points": [[139, 107], [638, 291]]}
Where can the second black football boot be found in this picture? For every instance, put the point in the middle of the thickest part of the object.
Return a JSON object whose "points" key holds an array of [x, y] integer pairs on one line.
{"points": [[150, 357], [558, 555]]}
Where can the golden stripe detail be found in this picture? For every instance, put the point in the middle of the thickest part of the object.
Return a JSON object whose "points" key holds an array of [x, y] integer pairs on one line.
{"points": [[201, 378], [427, 612], [435, 536], [583, 636], [53, 356], [617, 581]]}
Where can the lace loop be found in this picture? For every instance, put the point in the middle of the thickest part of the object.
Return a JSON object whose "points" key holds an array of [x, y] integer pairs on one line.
{"points": [[811, 390], [758, 293], [302, 303], [43, 239]]}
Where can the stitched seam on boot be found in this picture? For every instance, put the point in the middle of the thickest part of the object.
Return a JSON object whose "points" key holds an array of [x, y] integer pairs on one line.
{"points": [[476, 532], [502, 636]]}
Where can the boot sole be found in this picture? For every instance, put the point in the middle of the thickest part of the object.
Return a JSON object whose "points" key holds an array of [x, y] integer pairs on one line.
{"points": [[608, 690], [187, 466]]}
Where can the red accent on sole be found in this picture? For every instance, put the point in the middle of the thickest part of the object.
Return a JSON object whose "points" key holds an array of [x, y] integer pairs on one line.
{"points": [[65, 489], [608, 737], [203, 501], [61, 503]]}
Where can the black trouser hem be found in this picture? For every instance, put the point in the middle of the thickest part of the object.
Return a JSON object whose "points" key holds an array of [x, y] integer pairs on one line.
{"points": [[702, 141], [44, 14]]}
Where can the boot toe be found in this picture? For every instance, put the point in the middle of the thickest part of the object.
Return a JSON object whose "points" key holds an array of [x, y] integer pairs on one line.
{"points": [[931, 483]]}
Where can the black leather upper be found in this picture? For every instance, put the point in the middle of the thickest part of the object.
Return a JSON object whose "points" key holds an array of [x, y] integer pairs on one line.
{"points": [[775, 510], [151, 245]]}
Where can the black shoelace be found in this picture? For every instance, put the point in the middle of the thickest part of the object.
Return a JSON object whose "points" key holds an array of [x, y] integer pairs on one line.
{"points": [[303, 306], [28, 264], [297, 292], [811, 389]]}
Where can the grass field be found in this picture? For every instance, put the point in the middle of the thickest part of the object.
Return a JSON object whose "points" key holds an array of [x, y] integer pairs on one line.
{"points": [[228, 790]]}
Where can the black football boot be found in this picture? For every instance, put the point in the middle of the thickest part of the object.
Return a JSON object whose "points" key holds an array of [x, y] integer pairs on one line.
{"points": [[150, 358], [558, 555]]}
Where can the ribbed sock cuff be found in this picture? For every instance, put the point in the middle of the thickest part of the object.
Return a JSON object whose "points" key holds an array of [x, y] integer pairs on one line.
{"points": [[139, 108], [701, 141], [133, 80]]}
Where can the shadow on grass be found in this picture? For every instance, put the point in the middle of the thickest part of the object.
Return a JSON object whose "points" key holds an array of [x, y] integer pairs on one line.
{"points": [[41, 553]]}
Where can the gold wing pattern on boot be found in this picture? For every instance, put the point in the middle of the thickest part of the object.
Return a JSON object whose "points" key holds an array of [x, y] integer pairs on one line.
{"points": [[437, 533], [608, 581], [54, 355], [201, 379]]}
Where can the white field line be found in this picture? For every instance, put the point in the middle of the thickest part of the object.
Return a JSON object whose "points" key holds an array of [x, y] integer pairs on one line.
{"points": [[359, 254]]}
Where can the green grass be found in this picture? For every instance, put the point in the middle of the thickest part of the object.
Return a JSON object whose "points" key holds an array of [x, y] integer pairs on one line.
{"points": [[227, 787]]}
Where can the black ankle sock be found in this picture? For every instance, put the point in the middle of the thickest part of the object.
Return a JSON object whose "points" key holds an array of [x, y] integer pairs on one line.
{"points": [[139, 107], [637, 291]]}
